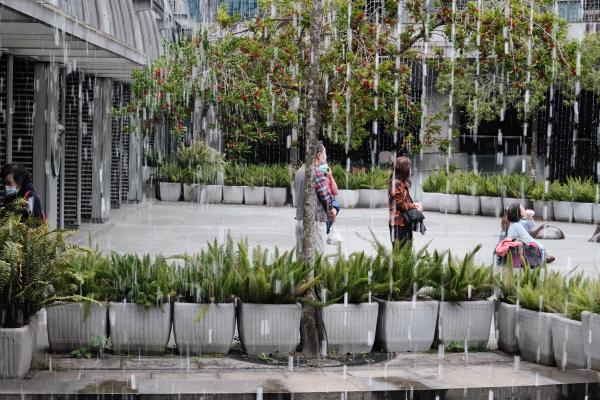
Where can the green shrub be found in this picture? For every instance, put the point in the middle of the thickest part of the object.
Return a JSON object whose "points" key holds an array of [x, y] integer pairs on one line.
{"points": [[278, 176], [559, 192], [515, 185], [376, 179], [254, 175], [582, 190], [351, 275], [491, 186], [465, 183], [435, 182], [235, 175], [170, 173], [585, 297]]}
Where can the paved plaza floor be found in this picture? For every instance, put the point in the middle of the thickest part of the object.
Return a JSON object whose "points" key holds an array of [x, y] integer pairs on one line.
{"points": [[172, 228]]}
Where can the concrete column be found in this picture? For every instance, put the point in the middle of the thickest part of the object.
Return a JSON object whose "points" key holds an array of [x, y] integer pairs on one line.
{"points": [[45, 128], [101, 150], [135, 163]]}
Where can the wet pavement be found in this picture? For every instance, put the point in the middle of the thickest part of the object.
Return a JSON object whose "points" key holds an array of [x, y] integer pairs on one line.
{"points": [[172, 228]]}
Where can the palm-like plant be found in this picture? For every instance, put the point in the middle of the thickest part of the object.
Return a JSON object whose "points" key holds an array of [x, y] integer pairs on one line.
{"points": [[582, 190], [278, 176], [34, 268], [347, 279]]}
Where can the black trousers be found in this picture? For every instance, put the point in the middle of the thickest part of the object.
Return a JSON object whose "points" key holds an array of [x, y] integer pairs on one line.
{"points": [[400, 234]]}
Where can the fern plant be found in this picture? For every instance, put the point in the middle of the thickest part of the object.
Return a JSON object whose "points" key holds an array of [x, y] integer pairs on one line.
{"points": [[278, 176], [34, 268], [584, 297], [491, 186], [234, 175], [435, 183], [582, 190], [559, 192], [170, 173], [346, 279]]}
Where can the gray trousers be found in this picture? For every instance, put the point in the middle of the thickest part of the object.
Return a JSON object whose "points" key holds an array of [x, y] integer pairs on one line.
{"points": [[320, 236]]}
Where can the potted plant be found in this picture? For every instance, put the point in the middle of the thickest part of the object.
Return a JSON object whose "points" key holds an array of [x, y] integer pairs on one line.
{"points": [[432, 187], [77, 320], [491, 198], [584, 194], [542, 205], [204, 313], [406, 320], [233, 189], [449, 202], [254, 185], [468, 187], [463, 288], [278, 180], [373, 189], [192, 188], [268, 312], [561, 201], [211, 177], [33, 273], [170, 182], [585, 302], [348, 186], [139, 291], [534, 321], [514, 189], [349, 314]]}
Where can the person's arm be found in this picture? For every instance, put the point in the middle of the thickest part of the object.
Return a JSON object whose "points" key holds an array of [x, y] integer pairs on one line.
{"points": [[332, 182], [402, 198], [523, 235]]}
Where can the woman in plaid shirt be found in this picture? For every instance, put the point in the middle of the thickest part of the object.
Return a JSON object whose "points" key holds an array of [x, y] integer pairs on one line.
{"points": [[399, 201]]}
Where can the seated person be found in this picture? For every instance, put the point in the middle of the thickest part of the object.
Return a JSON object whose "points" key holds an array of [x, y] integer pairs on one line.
{"points": [[516, 229]]}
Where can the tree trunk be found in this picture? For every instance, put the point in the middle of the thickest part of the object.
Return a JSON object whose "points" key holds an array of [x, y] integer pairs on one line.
{"points": [[308, 327], [534, 144]]}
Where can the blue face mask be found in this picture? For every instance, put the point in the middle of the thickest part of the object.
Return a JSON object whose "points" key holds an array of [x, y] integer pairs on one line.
{"points": [[324, 167], [10, 190]]}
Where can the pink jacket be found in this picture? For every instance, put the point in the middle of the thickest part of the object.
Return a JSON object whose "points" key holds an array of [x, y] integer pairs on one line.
{"points": [[504, 246]]}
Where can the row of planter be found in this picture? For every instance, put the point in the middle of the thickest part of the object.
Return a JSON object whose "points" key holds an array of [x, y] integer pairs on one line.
{"points": [[263, 328], [494, 206], [259, 195], [548, 338]]}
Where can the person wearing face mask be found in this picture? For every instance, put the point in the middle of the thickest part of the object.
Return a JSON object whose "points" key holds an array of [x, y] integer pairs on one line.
{"points": [[18, 185], [332, 236]]}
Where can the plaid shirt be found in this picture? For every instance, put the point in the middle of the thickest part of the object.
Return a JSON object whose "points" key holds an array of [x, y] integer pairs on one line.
{"points": [[322, 189], [399, 201]]}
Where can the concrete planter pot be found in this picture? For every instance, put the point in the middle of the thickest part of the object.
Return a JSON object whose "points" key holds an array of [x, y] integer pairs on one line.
{"points": [[466, 322], [16, 352], [430, 201], [590, 323], [563, 210], [254, 195], [134, 329], [372, 198], [350, 328], [567, 342], [406, 325], [70, 329], [233, 194], [203, 328], [213, 193], [583, 213], [596, 213], [192, 192], [544, 209], [492, 206], [534, 334], [269, 328], [469, 205], [449, 203], [275, 197], [507, 324], [347, 198], [170, 191]]}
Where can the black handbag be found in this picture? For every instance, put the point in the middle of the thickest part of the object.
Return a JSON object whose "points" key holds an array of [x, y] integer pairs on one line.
{"points": [[413, 218]]}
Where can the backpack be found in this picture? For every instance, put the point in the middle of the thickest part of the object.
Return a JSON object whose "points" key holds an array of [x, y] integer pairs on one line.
{"points": [[26, 196]]}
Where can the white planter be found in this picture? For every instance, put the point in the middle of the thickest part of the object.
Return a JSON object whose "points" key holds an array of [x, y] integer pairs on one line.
{"points": [[254, 195], [134, 329], [534, 334], [213, 193], [430, 201], [269, 328], [466, 322], [372, 198], [192, 192], [469, 205], [492, 206], [590, 323], [170, 191], [347, 198], [276, 197], [449, 203], [507, 323], [70, 329], [567, 342], [233, 194], [406, 325], [563, 210], [583, 213], [203, 328], [16, 352], [544, 209], [596, 213], [350, 328]]}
